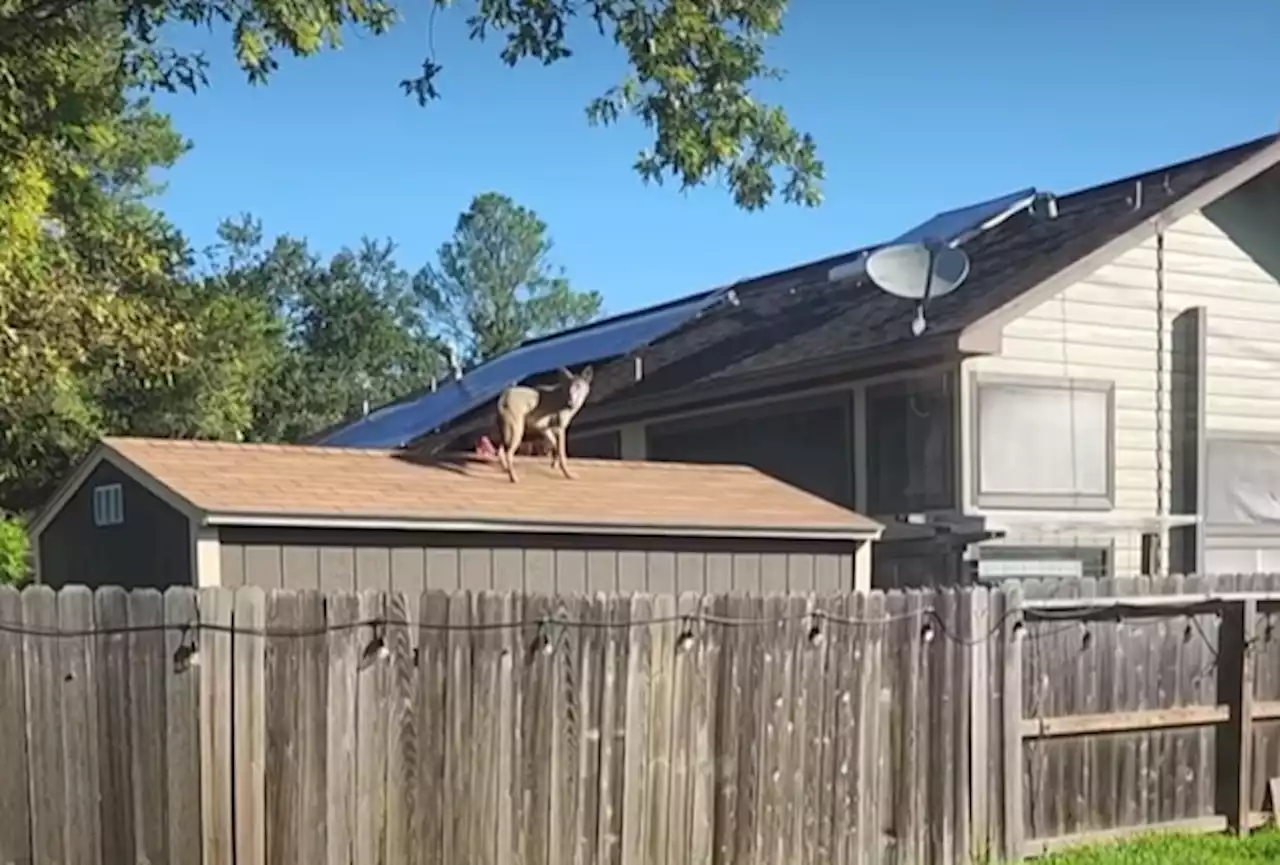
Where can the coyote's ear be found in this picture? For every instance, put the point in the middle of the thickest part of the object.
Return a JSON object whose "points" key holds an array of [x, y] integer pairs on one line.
{"points": [[585, 375]]}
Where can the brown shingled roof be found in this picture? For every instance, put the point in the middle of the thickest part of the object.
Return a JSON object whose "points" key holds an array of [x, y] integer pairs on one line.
{"points": [[340, 484]]}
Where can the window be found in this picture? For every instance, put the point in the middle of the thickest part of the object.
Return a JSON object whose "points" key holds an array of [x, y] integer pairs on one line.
{"points": [[1242, 483], [1036, 562], [909, 446], [1242, 505], [108, 505], [1044, 443]]}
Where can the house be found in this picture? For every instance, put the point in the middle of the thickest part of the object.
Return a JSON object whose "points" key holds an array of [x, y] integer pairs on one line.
{"points": [[141, 512], [1098, 397]]}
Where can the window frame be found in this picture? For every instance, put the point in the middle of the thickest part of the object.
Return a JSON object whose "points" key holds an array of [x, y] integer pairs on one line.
{"points": [[1032, 500], [108, 505]]}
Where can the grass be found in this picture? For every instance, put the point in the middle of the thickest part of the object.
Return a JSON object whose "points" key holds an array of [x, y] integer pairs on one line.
{"points": [[1171, 849]]}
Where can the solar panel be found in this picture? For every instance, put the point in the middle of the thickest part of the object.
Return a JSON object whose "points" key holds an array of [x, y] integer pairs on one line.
{"points": [[399, 423], [950, 225]]}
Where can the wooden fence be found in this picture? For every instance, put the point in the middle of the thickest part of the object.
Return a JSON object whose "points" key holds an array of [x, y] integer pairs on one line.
{"points": [[944, 727]]}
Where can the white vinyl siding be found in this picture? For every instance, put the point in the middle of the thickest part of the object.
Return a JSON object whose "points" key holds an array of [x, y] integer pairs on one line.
{"points": [[1105, 327]]}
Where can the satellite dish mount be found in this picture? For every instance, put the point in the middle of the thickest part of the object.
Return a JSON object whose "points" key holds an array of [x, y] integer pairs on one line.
{"points": [[918, 271]]}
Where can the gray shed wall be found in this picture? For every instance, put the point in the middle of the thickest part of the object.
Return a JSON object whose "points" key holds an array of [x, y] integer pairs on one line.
{"points": [[152, 547], [416, 561]]}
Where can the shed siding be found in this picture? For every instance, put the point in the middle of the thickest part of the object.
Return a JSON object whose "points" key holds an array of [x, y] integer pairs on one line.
{"points": [[414, 562], [1104, 327], [152, 547]]}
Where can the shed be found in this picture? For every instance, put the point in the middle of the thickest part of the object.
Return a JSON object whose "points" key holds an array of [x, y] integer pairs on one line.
{"points": [[159, 512]]}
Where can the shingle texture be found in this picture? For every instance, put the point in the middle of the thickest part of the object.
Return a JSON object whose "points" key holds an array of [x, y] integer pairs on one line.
{"points": [[300, 481]]}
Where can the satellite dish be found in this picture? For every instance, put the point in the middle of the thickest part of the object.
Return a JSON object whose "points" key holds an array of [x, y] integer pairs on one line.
{"points": [[918, 271]]}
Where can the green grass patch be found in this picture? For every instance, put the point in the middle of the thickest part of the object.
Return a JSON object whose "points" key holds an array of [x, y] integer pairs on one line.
{"points": [[1173, 849]]}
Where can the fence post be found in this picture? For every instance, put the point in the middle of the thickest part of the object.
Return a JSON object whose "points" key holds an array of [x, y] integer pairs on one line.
{"points": [[1011, 730], [1235, 689]]}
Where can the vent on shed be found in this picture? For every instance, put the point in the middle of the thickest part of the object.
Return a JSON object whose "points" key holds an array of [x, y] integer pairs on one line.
{"points": [[108, 505]]}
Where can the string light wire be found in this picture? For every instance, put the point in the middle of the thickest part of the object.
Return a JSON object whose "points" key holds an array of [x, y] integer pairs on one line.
{"points": [[930, 615]]}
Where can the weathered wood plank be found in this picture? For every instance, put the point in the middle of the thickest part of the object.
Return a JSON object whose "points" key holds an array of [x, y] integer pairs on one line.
{"points": [[182, 715], [343, 614], [249, 727], [217, 794], [15, 813], [371, 731], [83, 831], [682, 719], [589, 692], [402, 733], [46, 755], [981, 847], [115, 720], [613, 731], [704, 718], [662, 651], [1013, 635], [285, 774], [433, 666], [147, 669], [635, 798], [536, 732]]}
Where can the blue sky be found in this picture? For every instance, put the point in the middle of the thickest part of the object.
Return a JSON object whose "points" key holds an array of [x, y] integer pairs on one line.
{"points": [[916, 107]]}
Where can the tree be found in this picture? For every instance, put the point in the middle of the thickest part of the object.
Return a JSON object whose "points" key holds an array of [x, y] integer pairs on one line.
{"points": [[349, 331], [494, 287], [87, 270], [15, 550], [692, 65]]}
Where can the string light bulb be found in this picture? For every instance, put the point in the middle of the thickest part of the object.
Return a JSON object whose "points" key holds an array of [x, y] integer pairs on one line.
{"points": [[927, 632], [187, 655], [685, 641], [816, 635], [377, 649], [542, 643], [1086, 640]]}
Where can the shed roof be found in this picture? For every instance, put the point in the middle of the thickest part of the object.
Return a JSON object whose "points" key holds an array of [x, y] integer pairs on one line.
{"points": [[228, 483]]}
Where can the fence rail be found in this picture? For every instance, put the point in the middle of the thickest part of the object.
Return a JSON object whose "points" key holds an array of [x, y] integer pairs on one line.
{"points": [[219, 726]]}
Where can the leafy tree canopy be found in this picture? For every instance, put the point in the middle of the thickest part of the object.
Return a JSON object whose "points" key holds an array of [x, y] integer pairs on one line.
{"points": [[349, 331], [692, 64], [494, 286], [86, 268]]}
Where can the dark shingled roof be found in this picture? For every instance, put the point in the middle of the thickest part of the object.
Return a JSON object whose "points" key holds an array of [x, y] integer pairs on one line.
{"points": [[798, 315]]}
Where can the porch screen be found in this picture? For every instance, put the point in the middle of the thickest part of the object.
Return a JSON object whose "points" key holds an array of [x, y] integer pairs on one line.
{"points": [[1043, 444]]}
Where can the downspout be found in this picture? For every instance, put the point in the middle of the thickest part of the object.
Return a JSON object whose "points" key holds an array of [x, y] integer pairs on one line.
{"points": [[1162, 398]]}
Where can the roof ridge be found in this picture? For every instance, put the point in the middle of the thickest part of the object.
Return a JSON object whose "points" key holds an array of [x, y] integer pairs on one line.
{"points": [[1179, 165], [445, 457]]}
